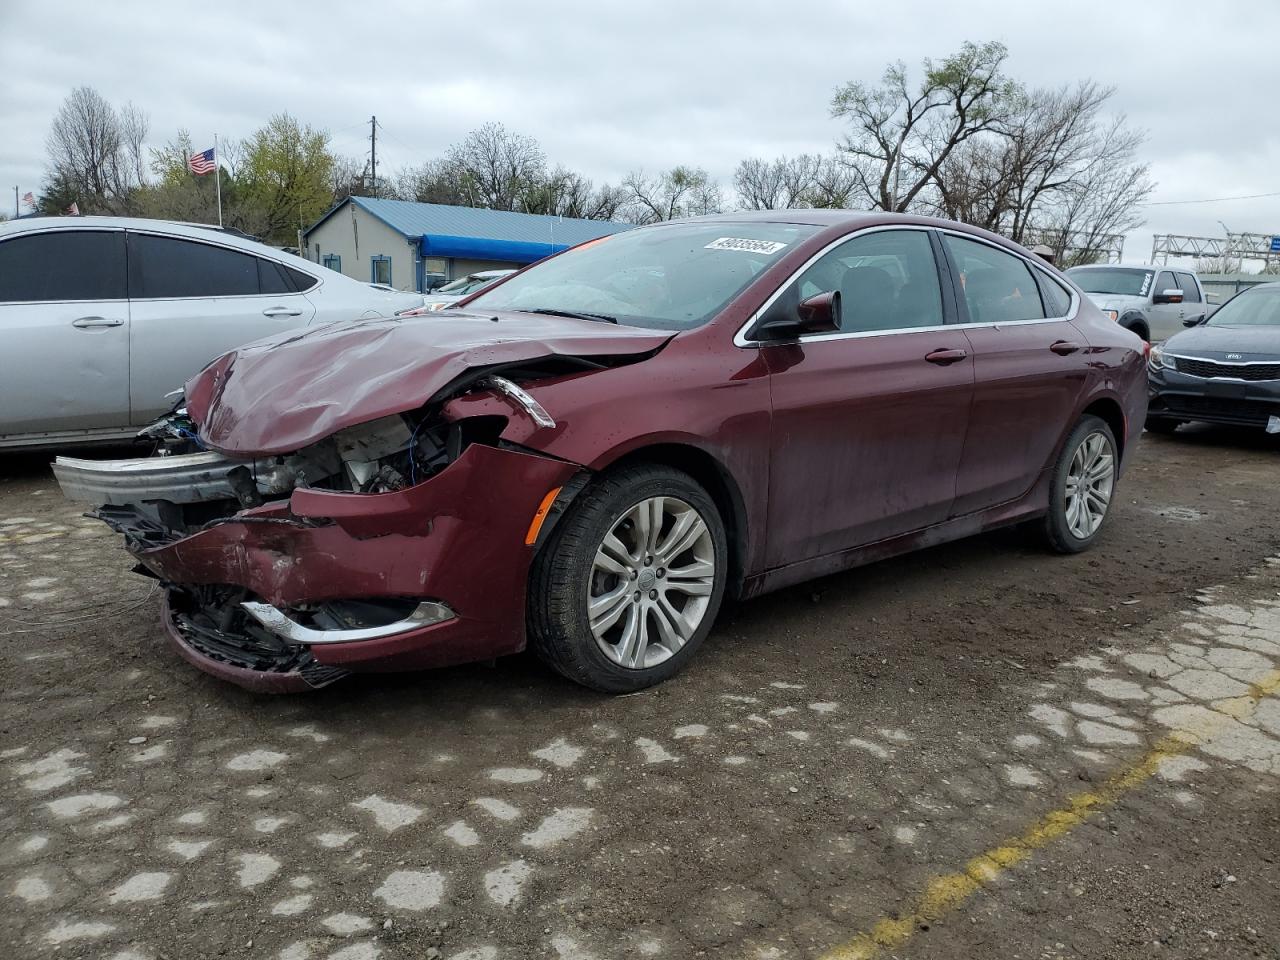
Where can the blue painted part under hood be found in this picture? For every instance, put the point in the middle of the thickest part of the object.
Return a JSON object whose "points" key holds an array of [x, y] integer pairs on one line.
{"points": [[483, 248]]}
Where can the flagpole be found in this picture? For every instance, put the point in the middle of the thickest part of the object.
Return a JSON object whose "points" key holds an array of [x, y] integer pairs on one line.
{"points": [[217, 173]]}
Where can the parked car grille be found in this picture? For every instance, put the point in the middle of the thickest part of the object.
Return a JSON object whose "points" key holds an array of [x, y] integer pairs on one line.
{"points": [[1238, 371], [1251, 411]]}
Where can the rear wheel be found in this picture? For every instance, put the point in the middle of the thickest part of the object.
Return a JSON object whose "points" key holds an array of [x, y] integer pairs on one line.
{"points": [[629, 585], [1082, 486]]}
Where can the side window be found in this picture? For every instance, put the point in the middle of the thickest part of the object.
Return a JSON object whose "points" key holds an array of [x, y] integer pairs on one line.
{"points": [[272, 278], [301, 280], [1165, 282], [1190, 292], [166, 267], [1057, 302], [381, 272], [998, 287], [888, 280], [63, 265]]}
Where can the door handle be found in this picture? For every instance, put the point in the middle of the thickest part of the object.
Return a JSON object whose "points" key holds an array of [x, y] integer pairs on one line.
{"points": [[945, 357], [1064, 347], [88, 323], [281, 312]]}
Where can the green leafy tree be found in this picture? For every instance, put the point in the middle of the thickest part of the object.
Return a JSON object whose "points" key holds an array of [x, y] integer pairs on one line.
{"points": [[285, 180]]}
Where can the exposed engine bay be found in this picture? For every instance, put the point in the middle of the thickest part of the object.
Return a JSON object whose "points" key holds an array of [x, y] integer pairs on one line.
{"points": [[182, 488]]}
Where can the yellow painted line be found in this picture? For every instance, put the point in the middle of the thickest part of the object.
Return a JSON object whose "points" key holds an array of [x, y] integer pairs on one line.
{"points": [[947, 892]]}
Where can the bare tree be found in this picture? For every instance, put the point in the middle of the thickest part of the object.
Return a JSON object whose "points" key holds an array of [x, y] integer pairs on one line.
{"points": [[901, 136], [789, 182], [678, 192], [95, 152], [495, 168]]}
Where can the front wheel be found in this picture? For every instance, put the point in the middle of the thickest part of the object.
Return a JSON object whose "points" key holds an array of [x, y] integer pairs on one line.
{"points": [[1083, 482], [630, 582]]}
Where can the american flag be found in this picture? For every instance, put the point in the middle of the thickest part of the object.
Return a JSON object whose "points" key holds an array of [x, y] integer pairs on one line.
{"points": [[73, 210], [29, 200], [202, 163]]}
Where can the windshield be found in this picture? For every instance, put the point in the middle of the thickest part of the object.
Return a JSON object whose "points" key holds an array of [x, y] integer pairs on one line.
{"points": [[1253, 308], [669, 277], [1117, 280], [466, 284]]}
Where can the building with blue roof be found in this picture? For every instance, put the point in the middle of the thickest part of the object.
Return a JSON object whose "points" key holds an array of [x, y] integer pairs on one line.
{"points": [[415, 246]]}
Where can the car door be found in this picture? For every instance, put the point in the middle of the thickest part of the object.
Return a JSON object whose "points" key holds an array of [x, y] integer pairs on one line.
{"points": [[868, 423], [1030, 366], [1165, 318], [64, 332], [191, 301], [1192, 302]]}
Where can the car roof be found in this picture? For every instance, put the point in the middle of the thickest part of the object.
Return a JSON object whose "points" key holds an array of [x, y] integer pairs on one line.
{"points": [[1135, 266], [193, 231]]}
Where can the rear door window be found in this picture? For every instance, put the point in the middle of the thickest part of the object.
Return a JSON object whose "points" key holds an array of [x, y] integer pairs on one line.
{"points": [[63, 265], [169, 267], [1057, 302], [1190, 292], [998, 287]]}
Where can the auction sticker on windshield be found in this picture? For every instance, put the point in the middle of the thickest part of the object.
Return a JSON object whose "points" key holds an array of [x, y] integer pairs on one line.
{"points": [[767, 247]]}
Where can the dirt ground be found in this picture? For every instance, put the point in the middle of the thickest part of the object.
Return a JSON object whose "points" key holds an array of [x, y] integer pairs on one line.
{"points": [[980, 751]]}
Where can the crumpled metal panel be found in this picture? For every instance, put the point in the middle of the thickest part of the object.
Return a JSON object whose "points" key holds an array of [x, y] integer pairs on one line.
{"points": [[281, 394]]}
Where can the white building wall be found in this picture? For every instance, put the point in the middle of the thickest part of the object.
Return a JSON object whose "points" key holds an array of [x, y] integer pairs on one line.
{"points": [[356, 236]]}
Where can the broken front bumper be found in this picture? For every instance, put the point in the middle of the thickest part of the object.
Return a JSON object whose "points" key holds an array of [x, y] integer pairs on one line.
{"points": [[250, 597]]}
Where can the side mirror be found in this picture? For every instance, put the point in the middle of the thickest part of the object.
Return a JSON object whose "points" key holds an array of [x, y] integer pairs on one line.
{"points": [[821, 313], [1193, 321], [1173, 295]]}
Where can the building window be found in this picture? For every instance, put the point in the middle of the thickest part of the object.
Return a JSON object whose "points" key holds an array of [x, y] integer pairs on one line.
{"points": [[381, 272], [333, 262]]}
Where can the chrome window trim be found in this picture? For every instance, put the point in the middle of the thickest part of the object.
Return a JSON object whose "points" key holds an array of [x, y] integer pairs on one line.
{"points": [[740, 337]]}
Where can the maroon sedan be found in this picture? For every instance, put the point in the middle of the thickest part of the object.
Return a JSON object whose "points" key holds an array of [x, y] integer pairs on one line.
{"points": [[588, 456]]}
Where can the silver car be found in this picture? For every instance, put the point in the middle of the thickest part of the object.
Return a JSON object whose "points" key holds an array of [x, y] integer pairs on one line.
{"points": [[101, 317], [455, 290], [1155, 302]]}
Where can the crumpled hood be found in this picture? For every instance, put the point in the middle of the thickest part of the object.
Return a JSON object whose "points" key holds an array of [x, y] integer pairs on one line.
{"points": [[288, 391], [1212, 342]]}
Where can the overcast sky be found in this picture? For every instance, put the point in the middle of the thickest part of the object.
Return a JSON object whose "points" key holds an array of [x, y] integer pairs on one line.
{"points": [[607, 88]]}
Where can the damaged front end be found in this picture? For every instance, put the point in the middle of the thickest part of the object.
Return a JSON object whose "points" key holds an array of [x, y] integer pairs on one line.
{"points": [[400, 543]]}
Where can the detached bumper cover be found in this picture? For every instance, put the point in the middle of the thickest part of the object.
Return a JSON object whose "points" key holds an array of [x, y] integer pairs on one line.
{"points": [[455, 540]]}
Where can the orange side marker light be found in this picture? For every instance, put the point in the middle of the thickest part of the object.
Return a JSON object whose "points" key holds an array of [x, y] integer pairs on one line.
{"points": [[540, 516]]}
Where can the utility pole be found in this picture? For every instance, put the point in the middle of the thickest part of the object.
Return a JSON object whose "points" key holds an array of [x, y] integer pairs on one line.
{"points": [[16, 212], [373, 152]]}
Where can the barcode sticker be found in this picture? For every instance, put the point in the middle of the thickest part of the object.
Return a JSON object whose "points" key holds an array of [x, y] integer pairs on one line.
{"points": [[767, 247]]}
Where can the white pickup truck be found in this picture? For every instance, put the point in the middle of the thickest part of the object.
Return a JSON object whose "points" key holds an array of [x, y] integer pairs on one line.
{"points": [[1153, 301]]}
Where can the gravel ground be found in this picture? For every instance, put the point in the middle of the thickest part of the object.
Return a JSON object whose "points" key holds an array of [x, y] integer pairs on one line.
{"points": [[977, 751]]}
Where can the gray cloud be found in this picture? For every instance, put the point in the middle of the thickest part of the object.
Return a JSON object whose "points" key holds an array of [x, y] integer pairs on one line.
{"points": [[610, 88]]}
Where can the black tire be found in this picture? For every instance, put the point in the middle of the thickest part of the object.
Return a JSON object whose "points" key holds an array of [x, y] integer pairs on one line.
{"points": [[1054, 528], [1162, 425], [1136, 324], [559, 628]]}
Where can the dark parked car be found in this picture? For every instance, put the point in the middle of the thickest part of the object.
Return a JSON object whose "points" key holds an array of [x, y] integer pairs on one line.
{"points": [[1223, 370], [588, 457]]}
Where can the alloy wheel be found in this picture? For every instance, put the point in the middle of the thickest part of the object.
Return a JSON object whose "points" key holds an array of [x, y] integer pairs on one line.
{"points": [[651, 582], [1090, 481]]}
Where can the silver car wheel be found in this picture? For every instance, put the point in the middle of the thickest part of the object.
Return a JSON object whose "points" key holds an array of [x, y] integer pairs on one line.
{"points": [[651, 582], [1090, 480]]}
